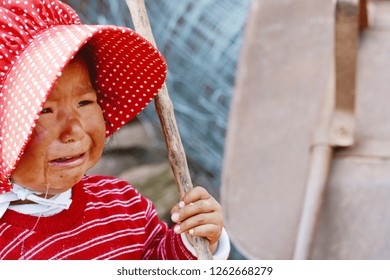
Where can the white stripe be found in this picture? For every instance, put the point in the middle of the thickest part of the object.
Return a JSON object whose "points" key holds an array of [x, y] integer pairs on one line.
{"points": [[153, 234], [67, 234], [102, 182], [120, 251], [105, 192], [14, 243], [150, 214], [3, 228], [97, 241], [113, 203], [90, 225], [134, 215]]}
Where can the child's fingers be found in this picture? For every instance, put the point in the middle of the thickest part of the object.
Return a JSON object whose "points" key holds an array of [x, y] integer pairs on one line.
{"points": [[198, 207], [210, 231], [196, 201], [182, 213], [198, 214], [175, 208], [198, 220], [178, 206], [195, 194]]}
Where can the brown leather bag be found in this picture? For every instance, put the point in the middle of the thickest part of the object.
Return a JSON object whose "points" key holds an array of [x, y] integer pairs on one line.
{"points": [[306, 171]]}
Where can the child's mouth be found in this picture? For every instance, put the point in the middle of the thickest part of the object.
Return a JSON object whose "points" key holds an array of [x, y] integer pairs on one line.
{"points": [[68, 160]]}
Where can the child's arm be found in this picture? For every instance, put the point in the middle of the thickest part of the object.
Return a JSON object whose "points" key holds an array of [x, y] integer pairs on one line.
{"points": [[199, 214]]}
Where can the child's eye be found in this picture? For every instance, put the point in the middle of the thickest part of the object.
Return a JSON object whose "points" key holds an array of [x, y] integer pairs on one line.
{"points": [[46, 111], [85, 102]]}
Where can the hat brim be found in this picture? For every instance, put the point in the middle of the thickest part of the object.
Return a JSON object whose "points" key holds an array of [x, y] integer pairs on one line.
{"points": [[129, 73]]}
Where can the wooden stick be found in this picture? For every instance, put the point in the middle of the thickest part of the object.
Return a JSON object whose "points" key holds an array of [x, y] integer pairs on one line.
{"points": [[164, 108]]}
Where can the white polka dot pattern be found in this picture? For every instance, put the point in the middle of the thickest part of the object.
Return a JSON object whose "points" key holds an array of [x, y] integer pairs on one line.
{"points": [[37, 40]]}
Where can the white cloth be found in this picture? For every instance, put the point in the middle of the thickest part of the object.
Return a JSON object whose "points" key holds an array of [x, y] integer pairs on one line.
{"points": [[223, 249], [42, 206]]}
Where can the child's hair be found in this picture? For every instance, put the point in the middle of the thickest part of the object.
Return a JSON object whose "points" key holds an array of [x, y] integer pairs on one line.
{"points": [[87, 55]]}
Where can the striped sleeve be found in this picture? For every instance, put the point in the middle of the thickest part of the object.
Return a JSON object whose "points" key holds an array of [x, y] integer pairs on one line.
{"points": [[162, 243]]}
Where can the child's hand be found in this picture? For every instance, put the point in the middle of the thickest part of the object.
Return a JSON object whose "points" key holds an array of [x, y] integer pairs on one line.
{"points": [[199, 214]]}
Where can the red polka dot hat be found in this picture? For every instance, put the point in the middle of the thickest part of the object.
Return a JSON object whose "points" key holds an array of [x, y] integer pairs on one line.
{"points": [[37, 39]]}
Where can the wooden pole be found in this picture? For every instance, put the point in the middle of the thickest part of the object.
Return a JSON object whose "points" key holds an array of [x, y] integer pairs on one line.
{"points": [[164, 108]]}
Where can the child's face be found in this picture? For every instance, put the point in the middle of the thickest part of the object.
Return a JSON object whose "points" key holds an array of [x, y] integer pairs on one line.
{"points": [[69, 136]]}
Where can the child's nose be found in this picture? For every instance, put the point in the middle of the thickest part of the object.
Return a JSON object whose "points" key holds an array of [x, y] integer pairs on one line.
{"points": [[72, 128]]}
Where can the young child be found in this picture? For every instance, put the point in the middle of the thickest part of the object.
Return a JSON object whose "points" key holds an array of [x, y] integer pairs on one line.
{"points": [[64, 88]]}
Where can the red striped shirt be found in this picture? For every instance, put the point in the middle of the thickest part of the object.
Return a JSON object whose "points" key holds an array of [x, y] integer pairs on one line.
{"points": [[108, 219]]}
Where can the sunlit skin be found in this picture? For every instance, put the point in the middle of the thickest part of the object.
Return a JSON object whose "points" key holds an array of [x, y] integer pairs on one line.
{"points": [[69, 136], [69, 139]]}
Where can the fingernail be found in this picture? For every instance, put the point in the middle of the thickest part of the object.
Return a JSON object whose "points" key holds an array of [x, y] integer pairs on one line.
{"points": [[176, 229], [175, 217], [181, 204], [191, 231]]}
